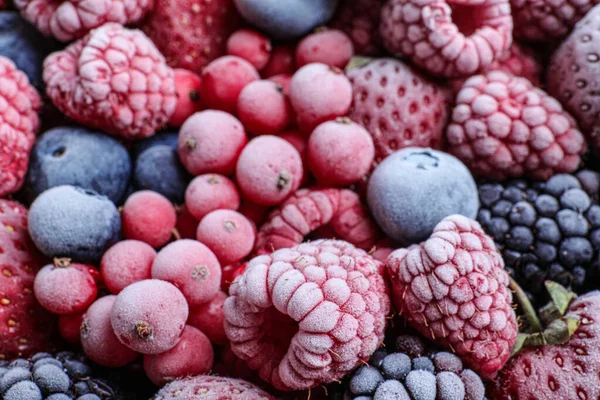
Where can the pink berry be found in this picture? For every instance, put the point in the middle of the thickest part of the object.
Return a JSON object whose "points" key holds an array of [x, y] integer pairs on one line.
{"points": [[228, 234], [211, 141], [69, 326], [210, 192], [319, 93], [65, 287], [187, 87], [149, 217], [250, 45], [186, 223], [283, 80], [263, 108], [223, 80], [256, 213], [269, 170], [190, 266], [300, 142], [98, 338], [208, 317], [340, 152], [231, 272], [149, 316], [281, 61], [331, 47], [126, 262]]}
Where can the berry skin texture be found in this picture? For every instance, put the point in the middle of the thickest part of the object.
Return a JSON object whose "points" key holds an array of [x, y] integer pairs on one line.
{"points": [[148, 217], [210, 192], [69, 327], [187, 86], [186, 223], [207, 387], [229, 274], [340, 152], [319, 93], [193, 355], [209, 317], [280, 62], [291, 312], [330, 47], [503, 127], [447, 41], [133, 103], [359, 19], [263, 108], [453, 289], [211, 142], [65, 288], [192, 267], [269, 170], [126, 262], [149, 316], [250, 45]]}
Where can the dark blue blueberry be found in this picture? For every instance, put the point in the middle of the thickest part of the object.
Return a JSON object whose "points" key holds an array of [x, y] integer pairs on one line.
{"points": [[13, 376], [391, 390], [501, 208], [513, 194], [51, 379], [547, 205], [545, 252], [20, 362], [522, 213], [421, 385], [571, 223], [46, 361], [366, 380], [77, 369], [163, 138], [558, 184], [547, 230], [575, 199], [396, 365], [449, 386], [25, 390], [38, 356], [490, 193], [59, 396], [423, 363], [158, 169], [498, 228], [590, 182], [378, 357], [520, 238], [89, 396], [574, 251]]}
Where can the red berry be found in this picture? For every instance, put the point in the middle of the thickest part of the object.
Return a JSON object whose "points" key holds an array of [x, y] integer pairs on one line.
{"points": [[211, 141], [126, 262], [250, 45], [231, 272], [331, 47], [283, 80], [254, 212], [192, 267], [300, 142], [187, 86], [210, 192], [69, 326], [360, 20], [263, 108], [149, 217], [281, 61], [223, 80], [269, 170], [228, 234], [65, 287], [208, 317], [186, 223]]}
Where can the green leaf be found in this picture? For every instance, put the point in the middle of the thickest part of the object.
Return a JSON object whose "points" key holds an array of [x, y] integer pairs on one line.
{"points": [[358, 62], [526, 306], [561, 330], [560, 296]]}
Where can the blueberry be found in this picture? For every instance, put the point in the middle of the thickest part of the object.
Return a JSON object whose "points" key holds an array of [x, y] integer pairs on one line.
{"points": [[73, 222], [421, 385], [89, 396], [391, 390], [38, 356], [547, 205], [19, 362], [396, 365], [571, 223], [520, 238], [164, 138], [79, 157], [3, 370], [423, 363], [286, 19], [547, 230], [366, 380], [51, 379], [522, 213], [490, 193], [575, 199], [59, 396], [449, 386], [46, 361], [574, 251], [558, 184], [25, 390], [13, 376], [474, 388], [77, 369], [158, 169], [413, 189]]}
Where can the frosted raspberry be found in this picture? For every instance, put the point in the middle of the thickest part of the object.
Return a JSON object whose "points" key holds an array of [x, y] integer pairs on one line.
{"points": [[330, 47], [206, 387], [250, 45], [113, 79], [72, 19], [453, 289], [20, 104], [449, 40], [503, 127], [208, 317], [306, 316], [360, 20]]}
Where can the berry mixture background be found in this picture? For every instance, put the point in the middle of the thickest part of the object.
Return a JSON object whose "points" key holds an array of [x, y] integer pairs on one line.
{"points": [[299, 200]]}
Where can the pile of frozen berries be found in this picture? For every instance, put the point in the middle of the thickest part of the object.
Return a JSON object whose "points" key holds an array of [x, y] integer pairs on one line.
{"points": [[325, 199]]}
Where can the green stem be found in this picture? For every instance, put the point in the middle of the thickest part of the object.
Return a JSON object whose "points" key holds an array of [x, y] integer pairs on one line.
{"points": [[525, 304]]}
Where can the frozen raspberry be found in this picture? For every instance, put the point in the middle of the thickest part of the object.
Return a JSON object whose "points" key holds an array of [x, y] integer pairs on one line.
{"points": [[308, 315], [269, 170], [263, 108], [250, 45], [228, 234], [149, 316], [208, 317], [193, 355], [453, 289], [72, 19], [340, 152], [186, 223], [18, 126], [254, 212], [281, 61], [503, 127], [206, 387], [148, 217], [98, 338], [65, 287], [114, 80], [187, 86], [210, 192], [229, 274], [211, 141], [319, 93], [126, 262], [359, 19], [69, 327], [192, 267], [450, 40], [224, 79], [329, 46]]}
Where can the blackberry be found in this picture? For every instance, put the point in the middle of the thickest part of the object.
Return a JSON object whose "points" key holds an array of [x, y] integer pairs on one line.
{"points": [[546, 230]]}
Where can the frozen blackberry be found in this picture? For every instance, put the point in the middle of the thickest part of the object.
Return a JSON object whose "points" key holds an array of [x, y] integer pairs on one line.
{"points": [[546, 230]]}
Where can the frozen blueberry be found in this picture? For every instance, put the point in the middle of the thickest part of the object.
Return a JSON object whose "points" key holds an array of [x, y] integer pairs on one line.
{"points": [[391, 390], [13, 376], [59, 396], [449, 386], [421, 385], [286, 19], [68, 221], [163, 138], [79, 157], [415, 188], [159, 169], [51, 379], [366, 380], [77, 369], [25, 390], [396, 365], [46, 361], [423, 363], [89, 396], [19, 362]]}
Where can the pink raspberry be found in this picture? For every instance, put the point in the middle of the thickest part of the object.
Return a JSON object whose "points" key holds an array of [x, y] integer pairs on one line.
{"points": [[126, 262], [263, 108], [308, 315], [281, 61], [72, 19], [450, 40], [206, 387], [210, 192], [208, 317], [503, 127], [250, 45], [453, 289], [19, 123], [114, 80], [360, 20], [69, 327], [330, 47], [187, 86], [149, 217]]}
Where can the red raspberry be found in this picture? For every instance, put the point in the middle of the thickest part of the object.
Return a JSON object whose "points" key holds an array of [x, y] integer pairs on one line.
{"points": [[187, 86], [398, 106], [263, 108], [210, 192], [186, 223], [72, 19], [308, 315], [250, 45], [191, 33], [503, 127], [69, 327], [360, 20], [281, 61], [114, 80], [208, 317], [446, 40], [126, 262], [19, 123], [149, 217], [453, 289], [206, 387], [211, 141], [331, 47]]}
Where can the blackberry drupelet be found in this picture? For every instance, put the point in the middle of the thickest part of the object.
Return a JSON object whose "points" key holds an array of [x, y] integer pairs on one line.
{"points": [[546, 230]]}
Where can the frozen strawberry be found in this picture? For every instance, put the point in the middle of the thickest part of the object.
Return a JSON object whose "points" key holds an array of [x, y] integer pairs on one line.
{"points": [[187, 85], [148, 217], [69, 327], [280, 62], [250, 45], [330, 47], [212, 388], [263, 108], [228, 234], [210, 192], [126, 262], [360, 20]]}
